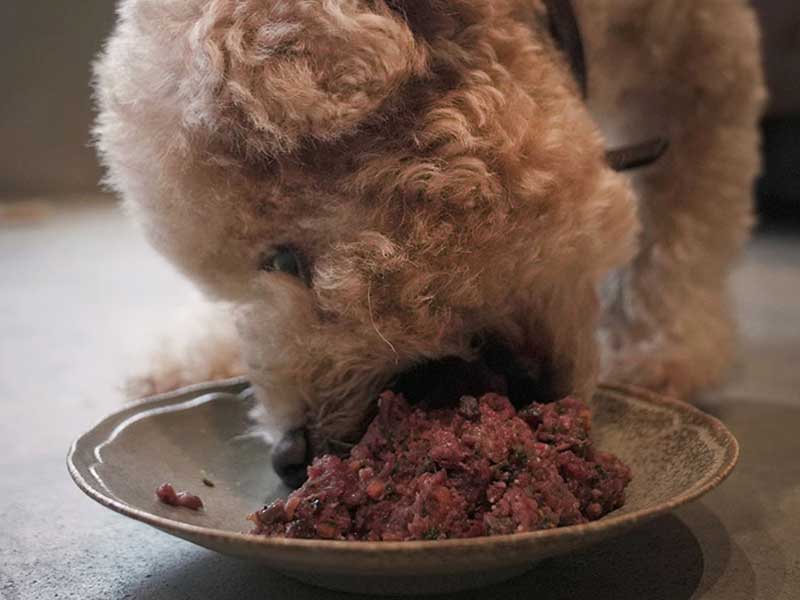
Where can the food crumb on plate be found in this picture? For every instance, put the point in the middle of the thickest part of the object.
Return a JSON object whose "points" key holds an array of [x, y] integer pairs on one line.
{"points": [[166, 494]]}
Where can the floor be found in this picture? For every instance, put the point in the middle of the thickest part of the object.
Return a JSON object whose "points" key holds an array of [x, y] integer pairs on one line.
{"points": [[82, 299]]}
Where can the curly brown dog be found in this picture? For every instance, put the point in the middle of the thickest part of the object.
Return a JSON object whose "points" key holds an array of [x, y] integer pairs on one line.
{"points": [[377, 185]]}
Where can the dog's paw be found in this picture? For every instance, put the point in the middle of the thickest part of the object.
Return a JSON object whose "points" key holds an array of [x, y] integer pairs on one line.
{"points": [[202, 346], [673, 372], [144, 386], [170, 373], [663, 376]]}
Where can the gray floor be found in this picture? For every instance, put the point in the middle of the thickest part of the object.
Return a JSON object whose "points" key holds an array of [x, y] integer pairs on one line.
{"points": [[82, 299]]}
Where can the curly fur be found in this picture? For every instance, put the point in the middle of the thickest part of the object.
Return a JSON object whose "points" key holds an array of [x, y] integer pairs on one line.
{"points": [[436, 164]]}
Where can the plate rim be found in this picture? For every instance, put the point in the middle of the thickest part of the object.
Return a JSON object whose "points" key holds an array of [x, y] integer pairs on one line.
{"points": [[608, 524]]}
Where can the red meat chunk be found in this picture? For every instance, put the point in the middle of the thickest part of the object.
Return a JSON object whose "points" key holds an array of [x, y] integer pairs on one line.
{"points": [[167, 494]]}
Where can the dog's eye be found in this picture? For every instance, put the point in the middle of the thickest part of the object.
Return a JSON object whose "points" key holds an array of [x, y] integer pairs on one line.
{"points": [[286, 260]]}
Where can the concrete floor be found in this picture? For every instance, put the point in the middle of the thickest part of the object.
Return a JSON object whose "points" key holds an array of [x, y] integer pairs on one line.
{"points": [[83, 300]]}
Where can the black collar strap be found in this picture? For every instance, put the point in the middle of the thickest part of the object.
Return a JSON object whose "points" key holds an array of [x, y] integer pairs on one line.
{"points": [[638, 155], [567, 35]]}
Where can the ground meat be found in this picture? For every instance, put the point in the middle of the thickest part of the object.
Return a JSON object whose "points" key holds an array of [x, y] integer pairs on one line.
{"points": [[480, 469], [167, 494]]}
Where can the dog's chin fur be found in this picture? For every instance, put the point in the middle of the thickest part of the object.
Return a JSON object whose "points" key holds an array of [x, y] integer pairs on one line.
{"points": [[437, 168]]}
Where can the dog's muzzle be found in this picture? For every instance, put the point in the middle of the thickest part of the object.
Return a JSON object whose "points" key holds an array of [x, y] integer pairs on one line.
{"points": [[437, 384]]}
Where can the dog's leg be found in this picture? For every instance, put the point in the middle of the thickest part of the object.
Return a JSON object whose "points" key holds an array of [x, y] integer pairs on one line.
{"points": [[688, 71], [200, 345]]}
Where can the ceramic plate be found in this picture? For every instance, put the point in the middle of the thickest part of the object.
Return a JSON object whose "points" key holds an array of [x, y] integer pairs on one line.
{"points": [[676, 453]]}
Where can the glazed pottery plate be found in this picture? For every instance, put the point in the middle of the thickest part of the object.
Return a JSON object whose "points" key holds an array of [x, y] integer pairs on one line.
{"points": [[676, 453]]}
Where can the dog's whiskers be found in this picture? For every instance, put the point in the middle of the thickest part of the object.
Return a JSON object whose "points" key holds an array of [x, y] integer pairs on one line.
{"points": [[375, 326]]}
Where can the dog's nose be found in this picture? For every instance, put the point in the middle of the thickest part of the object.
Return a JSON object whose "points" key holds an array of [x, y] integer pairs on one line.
{"points": [[291, 457]]}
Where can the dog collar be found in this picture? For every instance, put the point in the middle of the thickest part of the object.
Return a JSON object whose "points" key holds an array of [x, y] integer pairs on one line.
{"points": [[567, 35]]}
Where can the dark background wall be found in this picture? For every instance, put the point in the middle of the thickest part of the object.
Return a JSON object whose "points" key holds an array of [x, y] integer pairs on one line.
{"points": [[46, 48], [779, 188]]}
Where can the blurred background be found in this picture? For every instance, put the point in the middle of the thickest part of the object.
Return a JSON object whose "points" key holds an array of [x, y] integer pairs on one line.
{"points": [[46, 49]]}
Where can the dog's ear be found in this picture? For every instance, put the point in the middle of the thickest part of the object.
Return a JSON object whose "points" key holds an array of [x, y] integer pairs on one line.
{"points": [[292, 72], [439, 18], [423, 16]]}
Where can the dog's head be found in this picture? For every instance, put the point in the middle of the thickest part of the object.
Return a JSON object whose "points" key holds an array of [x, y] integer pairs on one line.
{"points": [[375, 184]]}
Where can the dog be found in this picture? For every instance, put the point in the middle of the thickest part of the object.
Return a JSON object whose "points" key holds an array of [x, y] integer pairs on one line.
{"points": [[378, 189]]}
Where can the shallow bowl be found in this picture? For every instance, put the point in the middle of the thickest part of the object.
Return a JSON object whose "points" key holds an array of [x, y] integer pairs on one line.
{"points": [[676, 452]]}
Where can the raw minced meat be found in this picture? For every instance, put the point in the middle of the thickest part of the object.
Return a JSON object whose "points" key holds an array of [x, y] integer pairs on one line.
{"points": [[480, 469]]}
